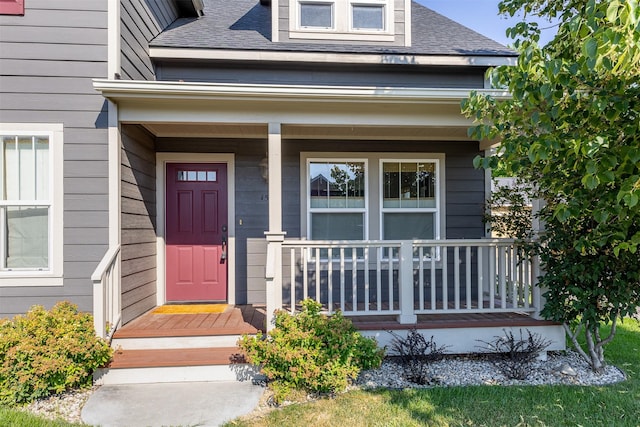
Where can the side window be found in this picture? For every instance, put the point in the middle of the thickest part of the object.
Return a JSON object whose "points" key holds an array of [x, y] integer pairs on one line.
{"points": [[410, 205], [11, 7], [337, 199], [30, 203]]}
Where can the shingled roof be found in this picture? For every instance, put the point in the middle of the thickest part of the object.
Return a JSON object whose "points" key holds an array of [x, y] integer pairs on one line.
{"points": [[246, 25]]}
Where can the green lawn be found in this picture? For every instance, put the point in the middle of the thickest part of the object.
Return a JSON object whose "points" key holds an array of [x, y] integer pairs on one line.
{"points": [[14, 418], [617, 405]]}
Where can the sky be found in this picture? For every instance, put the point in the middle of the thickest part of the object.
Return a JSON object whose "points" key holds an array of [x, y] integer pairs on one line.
{"points": [[481, 16]]}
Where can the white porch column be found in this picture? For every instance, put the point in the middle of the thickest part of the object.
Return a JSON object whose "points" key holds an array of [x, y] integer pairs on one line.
{"points": [[275, 235], [405, 284], [275, 177]]}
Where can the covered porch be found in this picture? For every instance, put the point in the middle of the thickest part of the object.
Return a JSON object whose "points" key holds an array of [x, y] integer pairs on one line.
{"points": [[395, 283]]}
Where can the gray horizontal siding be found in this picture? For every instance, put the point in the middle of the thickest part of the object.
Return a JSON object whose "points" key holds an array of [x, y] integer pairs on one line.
{"points": [[141, 21], [47, 60], [138, 222], [322, 74]]}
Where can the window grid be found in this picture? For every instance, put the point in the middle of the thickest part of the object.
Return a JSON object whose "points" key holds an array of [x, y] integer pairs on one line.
{"points": [[16, 200]]}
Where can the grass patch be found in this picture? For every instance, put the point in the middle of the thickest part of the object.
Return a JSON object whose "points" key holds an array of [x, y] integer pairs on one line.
{"points": [[616, 405], [15, 418]]}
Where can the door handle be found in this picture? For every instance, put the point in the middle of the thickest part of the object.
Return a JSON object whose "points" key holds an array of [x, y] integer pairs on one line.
{"points": [[223, 255]]}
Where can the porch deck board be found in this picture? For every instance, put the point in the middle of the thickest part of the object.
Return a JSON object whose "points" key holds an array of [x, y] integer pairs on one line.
{"points": [[234, 321], [458, 320]]}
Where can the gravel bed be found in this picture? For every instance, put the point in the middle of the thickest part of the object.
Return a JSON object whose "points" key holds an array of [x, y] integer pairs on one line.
{"points": [[559, 368]]}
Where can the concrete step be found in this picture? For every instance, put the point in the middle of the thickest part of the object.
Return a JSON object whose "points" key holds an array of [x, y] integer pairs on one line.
{"points": [[175, 365]]}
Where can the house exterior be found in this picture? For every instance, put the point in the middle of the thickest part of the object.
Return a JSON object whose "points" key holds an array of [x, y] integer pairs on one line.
{"points": [[247, 152]]}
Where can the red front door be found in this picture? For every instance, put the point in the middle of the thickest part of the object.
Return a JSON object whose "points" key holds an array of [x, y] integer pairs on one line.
{"points": [[196, 232]]}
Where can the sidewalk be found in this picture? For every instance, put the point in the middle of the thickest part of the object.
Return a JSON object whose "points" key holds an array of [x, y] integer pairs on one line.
{"points": [[170, 404]]}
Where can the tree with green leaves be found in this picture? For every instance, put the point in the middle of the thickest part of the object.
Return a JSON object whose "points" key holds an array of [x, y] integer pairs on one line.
{"points": [[572, 126]]}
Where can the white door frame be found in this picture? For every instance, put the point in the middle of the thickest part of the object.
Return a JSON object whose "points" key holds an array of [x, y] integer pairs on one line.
{"points": [[161, 160]]}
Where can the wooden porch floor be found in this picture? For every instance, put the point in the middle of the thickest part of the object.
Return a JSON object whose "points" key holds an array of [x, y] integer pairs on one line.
{"points": [[249, 319], [235, 320]]}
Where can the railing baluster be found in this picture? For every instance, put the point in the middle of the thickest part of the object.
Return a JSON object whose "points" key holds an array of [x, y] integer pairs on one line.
{"points": [[318, 275], [456, 274], [492, 277], [421, 276], [514, 276], [445, 279], [390, 275], [354, 279], [379, 277], [481, 278], [527, 282], [468, 275], [433, 278], [305, 280], [292, 261], [503, 253], [365, 270], [342, 279], [330, 279]]}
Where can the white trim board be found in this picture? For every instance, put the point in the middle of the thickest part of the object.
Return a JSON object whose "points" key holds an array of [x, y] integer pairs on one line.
{"points": [[330, 57], [161, 160]]}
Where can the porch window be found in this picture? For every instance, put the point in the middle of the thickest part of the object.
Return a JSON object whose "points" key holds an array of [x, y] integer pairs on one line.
{"points": [[30, 245], [337, 199], [409, 199]]}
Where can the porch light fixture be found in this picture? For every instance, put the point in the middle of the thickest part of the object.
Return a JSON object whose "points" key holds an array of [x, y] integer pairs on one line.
{"points": [[264, 169]]}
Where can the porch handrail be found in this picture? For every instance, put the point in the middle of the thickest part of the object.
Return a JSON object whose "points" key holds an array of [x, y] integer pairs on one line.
{"points": [[106, 293], [409, 277]]}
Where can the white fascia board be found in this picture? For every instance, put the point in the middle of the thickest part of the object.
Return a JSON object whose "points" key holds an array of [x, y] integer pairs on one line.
{"points": [[329, 57], [120, 89]]}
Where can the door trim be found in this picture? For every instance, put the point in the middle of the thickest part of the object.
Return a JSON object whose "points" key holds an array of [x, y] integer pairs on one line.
{"points": [[161, 160]]}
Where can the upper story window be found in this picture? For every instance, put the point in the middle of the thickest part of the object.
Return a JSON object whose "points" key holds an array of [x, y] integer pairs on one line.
{"points": [[342, 19], [31, 204], [316, 15]]}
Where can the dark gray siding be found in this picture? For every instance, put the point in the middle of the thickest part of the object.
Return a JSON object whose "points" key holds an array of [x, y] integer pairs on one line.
{"points": [[138, 222], [47, 60], [322, 74], [464, 199], [251, 203], [141, 21]]}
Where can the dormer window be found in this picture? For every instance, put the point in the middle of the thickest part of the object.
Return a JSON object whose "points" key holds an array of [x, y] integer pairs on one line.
{"points": [[361, 20], [316, 15], [368, 16]]}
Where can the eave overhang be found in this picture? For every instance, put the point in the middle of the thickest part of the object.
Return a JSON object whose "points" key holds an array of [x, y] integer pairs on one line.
{"points": [[132, 89], [466, 60], [185, 109]]}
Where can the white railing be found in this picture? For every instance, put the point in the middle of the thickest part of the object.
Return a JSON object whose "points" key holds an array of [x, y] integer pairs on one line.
{"points": [[106, 293], [406, 278]]}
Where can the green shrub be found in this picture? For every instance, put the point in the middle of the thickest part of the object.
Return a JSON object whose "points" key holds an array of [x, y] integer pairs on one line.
{"points": [[310, 351], [48, 352]]}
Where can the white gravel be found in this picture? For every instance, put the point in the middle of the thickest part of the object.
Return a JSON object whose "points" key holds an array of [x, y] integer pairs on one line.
{"points": [[477, 370]]}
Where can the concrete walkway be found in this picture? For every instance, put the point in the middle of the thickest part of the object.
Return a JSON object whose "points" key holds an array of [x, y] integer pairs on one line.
{"points": [[170, 404]]}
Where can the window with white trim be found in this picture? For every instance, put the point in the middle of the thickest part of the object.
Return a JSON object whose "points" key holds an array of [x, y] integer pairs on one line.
{"points": [[337, 199], [410, 199], [30, 202], [342, 19], [376, 196]]}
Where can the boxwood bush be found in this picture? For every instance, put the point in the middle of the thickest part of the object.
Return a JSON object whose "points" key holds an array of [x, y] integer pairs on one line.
{"points": [[310, 351], [48, 351]]}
